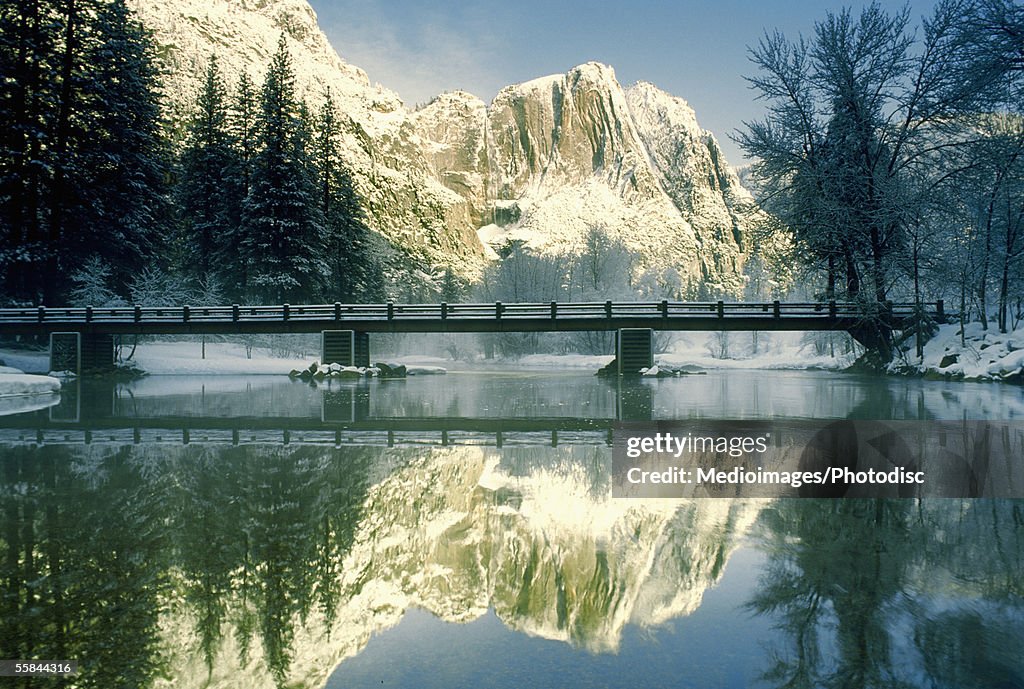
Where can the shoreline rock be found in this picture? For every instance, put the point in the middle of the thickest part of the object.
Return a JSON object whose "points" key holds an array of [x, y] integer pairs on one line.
{"points": [[383, 371]]}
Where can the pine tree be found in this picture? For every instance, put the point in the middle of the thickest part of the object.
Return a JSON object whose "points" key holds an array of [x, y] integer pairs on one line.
{"points": [[243, 127], [205, 197], [124, 154], [354, 274], [92, 285], [82, 158], [242, 134], [283, 225], [27, 37]]}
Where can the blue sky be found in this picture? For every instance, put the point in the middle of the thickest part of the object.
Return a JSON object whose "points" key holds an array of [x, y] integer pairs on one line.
{"points": [[697, 51]]}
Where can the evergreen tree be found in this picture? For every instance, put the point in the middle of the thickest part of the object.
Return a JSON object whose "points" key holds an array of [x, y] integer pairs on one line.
{"points": [[355, 275], [205, 198], [124, 153], [243, 128], [283, 225], [27, 53], [82, 161], [119, 165], [91, 285], [242, 134]]}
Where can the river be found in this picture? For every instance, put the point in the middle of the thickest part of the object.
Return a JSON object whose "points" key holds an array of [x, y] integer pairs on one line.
{"points": [[459, 530]]}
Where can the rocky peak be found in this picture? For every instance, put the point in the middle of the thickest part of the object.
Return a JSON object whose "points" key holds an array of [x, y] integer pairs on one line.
{"points": [[563, 129], [546, 160]]}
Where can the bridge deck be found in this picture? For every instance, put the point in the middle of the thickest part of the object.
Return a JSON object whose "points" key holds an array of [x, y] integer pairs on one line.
{"points": [[436, 318]]}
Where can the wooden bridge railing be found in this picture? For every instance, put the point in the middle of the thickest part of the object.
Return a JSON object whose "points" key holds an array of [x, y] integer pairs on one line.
{"points": [[443, 311]]}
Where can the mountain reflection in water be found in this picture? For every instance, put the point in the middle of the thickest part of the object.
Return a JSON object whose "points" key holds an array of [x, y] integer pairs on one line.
{"points": [[273, 565]]}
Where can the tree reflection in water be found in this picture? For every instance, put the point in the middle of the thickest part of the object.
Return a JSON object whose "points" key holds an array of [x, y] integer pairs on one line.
{"points": [[233, 564], [84, 565], [97, 546], [894, 593]]}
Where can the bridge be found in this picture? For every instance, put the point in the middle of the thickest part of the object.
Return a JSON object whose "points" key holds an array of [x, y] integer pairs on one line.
{"points": [[89, 331]]}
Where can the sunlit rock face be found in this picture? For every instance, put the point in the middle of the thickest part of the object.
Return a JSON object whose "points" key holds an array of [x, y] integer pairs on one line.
{"points": [[575, 151], [693, 172], [544, 162]]}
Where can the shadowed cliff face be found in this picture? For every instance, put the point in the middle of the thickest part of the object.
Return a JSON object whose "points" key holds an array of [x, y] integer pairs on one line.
{"points": [[547, 160]]}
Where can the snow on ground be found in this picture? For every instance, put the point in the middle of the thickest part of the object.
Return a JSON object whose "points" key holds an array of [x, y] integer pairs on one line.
{"points": [[591, 361], [17, 384], [411, 359], [774, 351], [20, 392], [984, 355], [229, 358], [778, 351], [414, 370], [225, 358], [222, 358]]}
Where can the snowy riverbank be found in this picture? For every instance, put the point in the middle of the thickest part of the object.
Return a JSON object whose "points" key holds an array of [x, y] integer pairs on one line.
{"points": [[985, 356], [222, 358], [20, 392], [15, 383], [227, 358], [778, 351], [982, 355], [694, 351]]}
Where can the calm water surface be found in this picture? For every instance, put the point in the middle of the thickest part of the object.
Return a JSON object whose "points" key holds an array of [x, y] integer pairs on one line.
{"points": [[458, 531]]}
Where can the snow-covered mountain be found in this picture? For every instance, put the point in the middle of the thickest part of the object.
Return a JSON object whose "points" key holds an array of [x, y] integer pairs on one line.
{"points": [[545, 161]]}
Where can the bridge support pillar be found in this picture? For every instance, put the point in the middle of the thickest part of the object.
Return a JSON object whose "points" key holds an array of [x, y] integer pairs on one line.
{"points": [[81, 353], [634, 350], [345, 347]]}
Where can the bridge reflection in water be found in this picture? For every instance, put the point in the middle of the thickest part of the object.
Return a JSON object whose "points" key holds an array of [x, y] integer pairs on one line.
{"points": [[96, 411]]}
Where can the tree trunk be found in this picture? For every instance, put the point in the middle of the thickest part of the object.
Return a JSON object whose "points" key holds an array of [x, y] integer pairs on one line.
{"points": [[983, 280], [878, 264], [1004, 290], [1012, 232], [918, 311], [963, 312], [830, 288], [60, 149], [852, 279]]}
